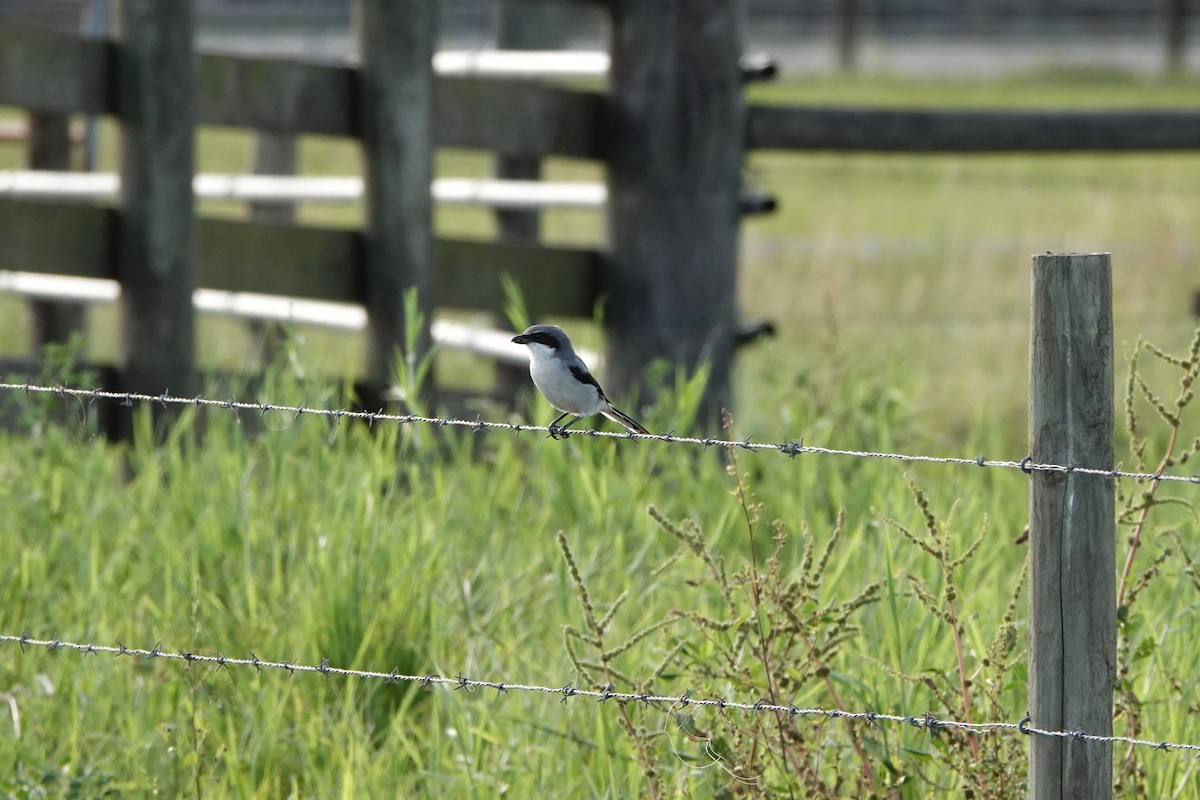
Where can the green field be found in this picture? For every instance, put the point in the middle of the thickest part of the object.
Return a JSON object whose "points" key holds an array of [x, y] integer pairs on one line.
{"points": [[900, 288]]}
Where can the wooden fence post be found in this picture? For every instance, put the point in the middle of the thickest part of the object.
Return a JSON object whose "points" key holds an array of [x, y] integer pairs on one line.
{"points": [[1072, 552], [155, 253], [274, 154], [521, 26], [676, 132], [50, 148], [1175, 19], [396, 41], [847, 24]]}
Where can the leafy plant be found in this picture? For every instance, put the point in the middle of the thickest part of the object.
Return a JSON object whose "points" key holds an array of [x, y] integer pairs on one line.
{"points": [[61, 364], [771, 634], [989, 766], [1145, 674]]}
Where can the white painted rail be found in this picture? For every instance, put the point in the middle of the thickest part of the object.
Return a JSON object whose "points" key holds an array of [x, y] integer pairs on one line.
{"points": [[488, 343], [522, 63], [515, 195]]}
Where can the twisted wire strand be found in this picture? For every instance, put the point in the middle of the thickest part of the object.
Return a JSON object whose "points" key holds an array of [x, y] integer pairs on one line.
{"points": [[791, 448], [925, 721]]}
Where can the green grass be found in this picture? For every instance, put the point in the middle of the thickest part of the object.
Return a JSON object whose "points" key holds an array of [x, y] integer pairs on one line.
{"points": [[900, 287], [433, 552], [1045, 88]]}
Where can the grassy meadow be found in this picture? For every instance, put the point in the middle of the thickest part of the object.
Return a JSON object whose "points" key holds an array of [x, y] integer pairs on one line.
{"points": [[899, 285]]}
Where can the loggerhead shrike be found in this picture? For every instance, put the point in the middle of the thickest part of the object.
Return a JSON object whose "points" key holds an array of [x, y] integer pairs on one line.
{"points": [[563, 379]]}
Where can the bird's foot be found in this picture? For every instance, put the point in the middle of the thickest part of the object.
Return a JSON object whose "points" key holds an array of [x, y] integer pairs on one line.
{"points": [[557, 432]]}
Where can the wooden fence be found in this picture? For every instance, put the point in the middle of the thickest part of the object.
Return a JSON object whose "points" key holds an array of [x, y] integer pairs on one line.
{"points": [[387, 106], [670, 191], [672, 127]]}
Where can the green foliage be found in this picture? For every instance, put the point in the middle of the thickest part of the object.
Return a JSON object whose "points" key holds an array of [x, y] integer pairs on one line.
{"points": [[514, 304], [975, 691], [820, 581], [302, 538], [518, 558], [414, 360], [61, 365], [1158, 583]]}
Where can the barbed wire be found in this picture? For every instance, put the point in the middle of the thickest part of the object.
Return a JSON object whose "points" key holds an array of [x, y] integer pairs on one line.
{"points": [[687, 699], [791, 448]]}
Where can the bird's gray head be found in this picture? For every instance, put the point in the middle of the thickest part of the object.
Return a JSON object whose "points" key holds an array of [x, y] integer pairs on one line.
{"points": [[550, 336]]}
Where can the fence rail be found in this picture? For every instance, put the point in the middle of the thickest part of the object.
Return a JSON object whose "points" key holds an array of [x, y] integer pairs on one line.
{"points": [[45, 71], [523, 63], [492, 344], [497, 194], [53, 72], [302, 261], [940, 131]]}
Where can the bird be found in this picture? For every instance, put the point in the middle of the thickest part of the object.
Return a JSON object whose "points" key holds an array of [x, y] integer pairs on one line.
{"points": [[565, 381]]}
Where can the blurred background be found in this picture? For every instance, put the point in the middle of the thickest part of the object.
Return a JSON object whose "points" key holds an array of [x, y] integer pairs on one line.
{"points": [[929, 37]]}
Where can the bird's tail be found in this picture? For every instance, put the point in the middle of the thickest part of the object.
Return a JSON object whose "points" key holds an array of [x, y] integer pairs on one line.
{"points": [[621, 418]]}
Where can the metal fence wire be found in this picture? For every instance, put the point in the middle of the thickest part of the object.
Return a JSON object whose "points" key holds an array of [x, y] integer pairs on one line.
{"points": [[791, 448], [568, 692]]}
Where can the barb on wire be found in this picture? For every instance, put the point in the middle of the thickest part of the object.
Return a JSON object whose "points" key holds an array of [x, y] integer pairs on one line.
{"points": [[790, 448], [925, 721]]}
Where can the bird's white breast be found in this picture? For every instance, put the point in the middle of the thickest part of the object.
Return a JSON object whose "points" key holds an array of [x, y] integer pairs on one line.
{"points": [[555, 381]]}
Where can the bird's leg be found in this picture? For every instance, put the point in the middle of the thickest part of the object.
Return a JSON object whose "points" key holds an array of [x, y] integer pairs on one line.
{"points": [[553, 426], [562, 429]]}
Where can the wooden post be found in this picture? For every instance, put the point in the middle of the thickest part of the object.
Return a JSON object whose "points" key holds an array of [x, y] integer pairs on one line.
{"points": [[1072, 553], [274, 154], [675, 126], [49, 140], [50, 148], [396, 41], [1175, 28], [520, 26], [155, 261], [847, 27]]}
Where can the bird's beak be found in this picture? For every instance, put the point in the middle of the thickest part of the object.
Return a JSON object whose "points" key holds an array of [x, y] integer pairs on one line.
{"points": [[520, 339]]}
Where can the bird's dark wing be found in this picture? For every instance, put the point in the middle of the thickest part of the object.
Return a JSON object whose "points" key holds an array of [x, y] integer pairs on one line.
{"points": [[583, 376]]}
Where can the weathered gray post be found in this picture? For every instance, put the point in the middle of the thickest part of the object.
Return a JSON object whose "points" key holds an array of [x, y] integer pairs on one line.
{"points": [[50, 148], [521, 26], [1072, 549], [274, 154], [155, 261], [396, 41], [675, 125], [846, 25], [1175, 13]]}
